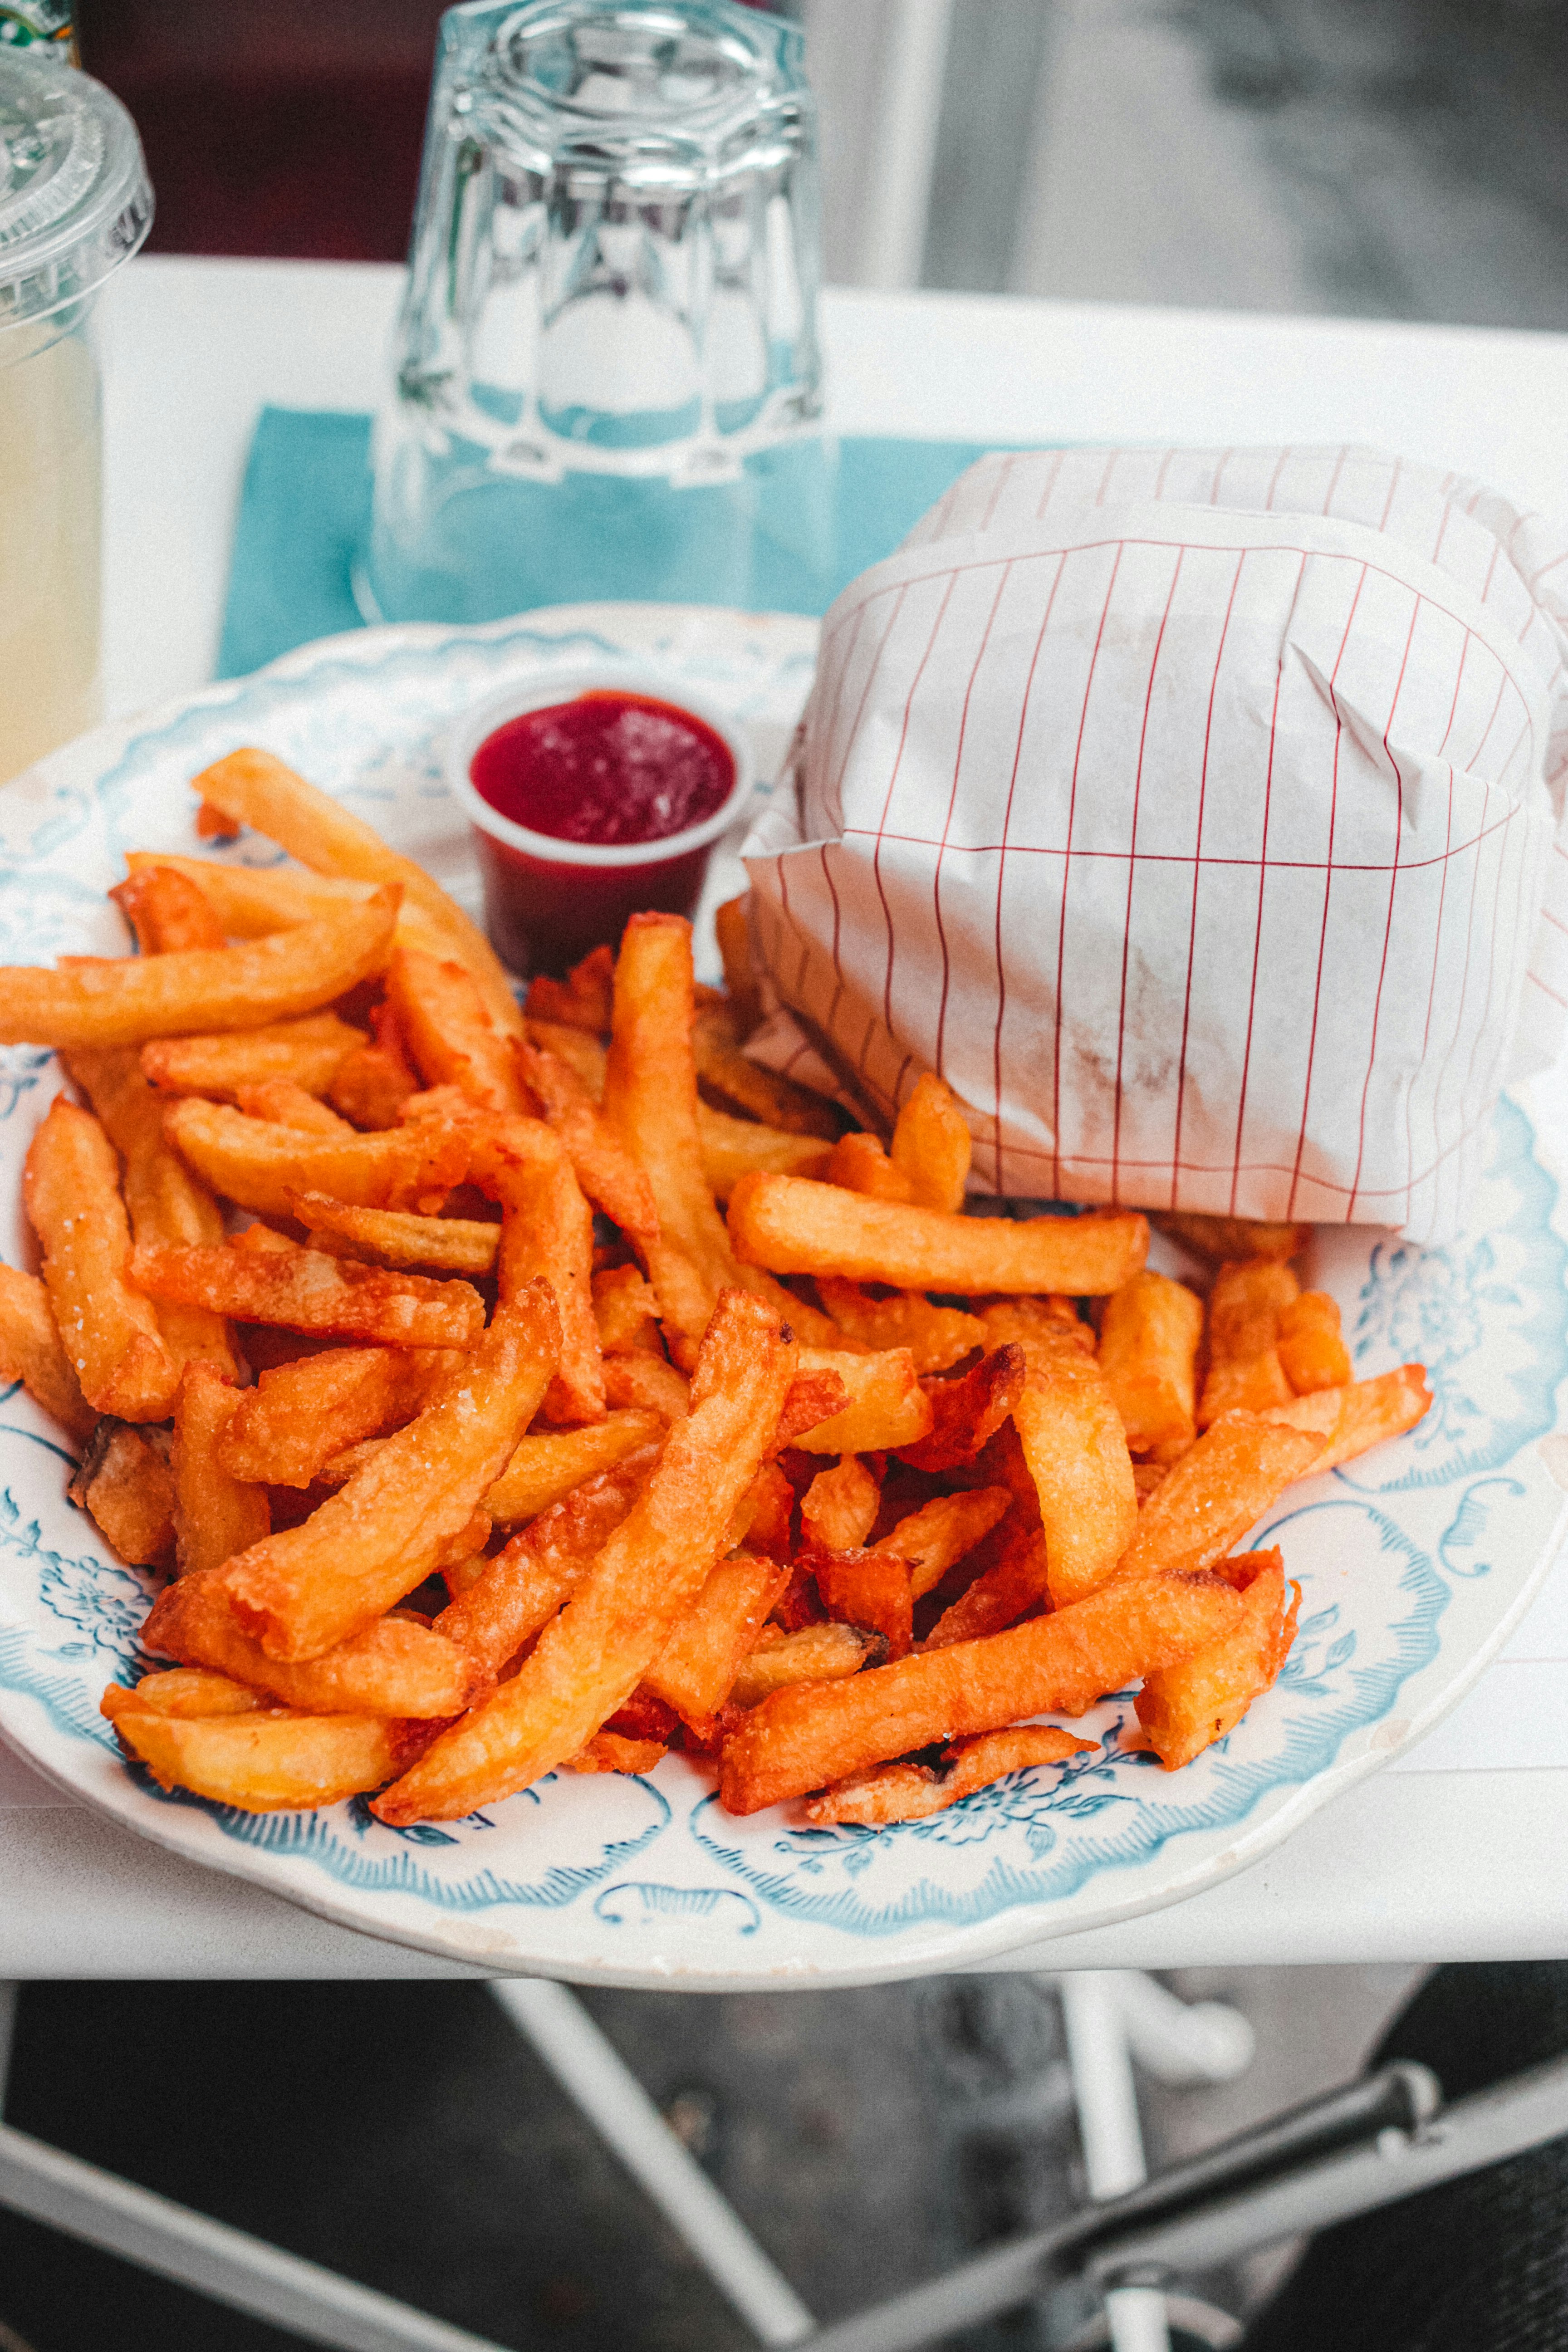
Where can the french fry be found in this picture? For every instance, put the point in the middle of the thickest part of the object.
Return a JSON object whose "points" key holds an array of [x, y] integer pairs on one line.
{"points": [[288, 1105], [813, 1654], [262, 1167], [932, 1146], [912, 1792], [1312, 1355], [1352, 1419], [871, 1588], [1236, 1471], [764, 1517], [396, 1238], [802, 1740], [547, 1231], [589, 1660], [516, 1594], [943, 1531], [605, 1170], [123, 1002], [70, 1186], [189, 1692], [271, 1761], [733, 930], [308, 1051], [215, 1514], [259, 790], [1244, 1374], [583, 1053], [610, 1751], [124, 1482], [1149, 1338], [396, 1667], [732, 1147], [641, 1383], [1184, 1709], [372, 1085], [307, 1290], [1074, 1444], [967, 1413], [164, 1202], [626, 1310], [697, 1667], [839, 1507], [794, 1227], [548, 1464], [298, 1416], [582, 1000], [447, 1028], [766, 1094], [937, 1337], [31, 1353], [1224, 1239], [1012, 1581], [304, 1589], [166, 909], [886, 1410], [858, 1163]]}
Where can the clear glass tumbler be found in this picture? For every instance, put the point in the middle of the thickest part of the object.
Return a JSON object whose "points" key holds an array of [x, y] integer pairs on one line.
{"points": [[607, 378]]}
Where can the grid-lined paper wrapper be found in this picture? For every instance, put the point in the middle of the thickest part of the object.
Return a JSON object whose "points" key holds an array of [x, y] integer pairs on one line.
{"points": [[1195, 814]]}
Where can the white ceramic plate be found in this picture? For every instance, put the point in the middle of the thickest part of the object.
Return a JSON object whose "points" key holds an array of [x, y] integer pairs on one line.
{"points": [[1414, 1563]]}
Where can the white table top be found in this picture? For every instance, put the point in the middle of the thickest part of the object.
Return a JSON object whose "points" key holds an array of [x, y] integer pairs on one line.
{"points": [[1457, 1851]]}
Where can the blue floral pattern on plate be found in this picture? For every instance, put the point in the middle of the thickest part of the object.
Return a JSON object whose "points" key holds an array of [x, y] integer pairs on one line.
{"points": [[1413, 1563]]}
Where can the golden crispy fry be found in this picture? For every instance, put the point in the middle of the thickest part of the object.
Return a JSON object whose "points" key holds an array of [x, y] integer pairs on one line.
{"points": [[1074, 1444], [124, 1482], [1312, 1355], [288, 1105], [582, 1055], [580, 1000], [515, 1594], [605, 1170], [858, 1163], [1238, 1468], [839, 1507], [732, 1147], [308, 1051], [696, 1668], [733, 930], [272, 1761], [641, 1383], [815, 1653], [302, 1591], [298, 1416], [888, 1409], [252, 900], [108, 1329], [260, 792], [547, 1230], [396, 1667], [932, 1146], [590, 1659], [189, 1691], [626, 1310], [871, 1588], [967, 1413], [30, 1351], [307, 1290], [912, 1792], [797, 1227], [1012, 1581], [937, 1337], [611, 1751], [763, 1521], [1244, 1373], [798, 1740], [943, 1532], [1350, 1420], [651, 1099], [396, 1238], [549, 1463], [215, 1514], [1148, 1337], [372, 1086], [1185, 1708], [165, 1202], [1224, 1239], [122, 1001], [262, 1167], [166, 910], [449, 1030], [776, 1100]]}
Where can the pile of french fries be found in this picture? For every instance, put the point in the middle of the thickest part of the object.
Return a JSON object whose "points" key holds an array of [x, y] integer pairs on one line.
{"points": [[508, 1392]]}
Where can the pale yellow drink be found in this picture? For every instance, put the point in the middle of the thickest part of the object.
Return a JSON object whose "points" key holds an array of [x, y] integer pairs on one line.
{"points": [[49, 506]]}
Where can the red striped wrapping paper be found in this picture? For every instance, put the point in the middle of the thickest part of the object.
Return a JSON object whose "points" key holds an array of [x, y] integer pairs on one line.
{"points": [[1194, 814]]}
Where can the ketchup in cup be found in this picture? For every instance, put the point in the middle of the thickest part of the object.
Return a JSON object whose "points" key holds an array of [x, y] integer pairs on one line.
{"points": [[591, 806]]}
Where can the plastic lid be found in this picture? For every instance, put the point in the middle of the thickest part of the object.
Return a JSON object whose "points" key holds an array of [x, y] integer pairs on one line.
{"points": [[74, 200]]}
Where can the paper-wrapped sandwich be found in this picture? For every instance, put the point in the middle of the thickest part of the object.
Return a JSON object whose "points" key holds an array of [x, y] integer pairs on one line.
{"points": [[1194, 815]]}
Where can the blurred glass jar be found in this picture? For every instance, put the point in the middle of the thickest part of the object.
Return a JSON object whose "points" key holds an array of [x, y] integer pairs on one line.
{"points": [[607, 378], [74, 204]]}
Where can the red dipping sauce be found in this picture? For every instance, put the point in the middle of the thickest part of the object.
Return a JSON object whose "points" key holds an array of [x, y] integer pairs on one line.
{"points": [[608, 770]]}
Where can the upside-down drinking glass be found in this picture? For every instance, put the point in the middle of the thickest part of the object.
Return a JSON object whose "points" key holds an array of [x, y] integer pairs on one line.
{"points": [[608, 381]]}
